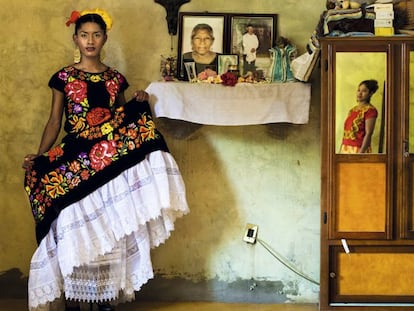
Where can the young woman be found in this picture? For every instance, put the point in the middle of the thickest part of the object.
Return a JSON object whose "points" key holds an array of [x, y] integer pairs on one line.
{"points": [[107, 193], [360, 123]]}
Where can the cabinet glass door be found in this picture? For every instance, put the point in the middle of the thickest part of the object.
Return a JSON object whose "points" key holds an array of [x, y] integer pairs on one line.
{"points": [[352, 69], [361, 206], [408, 151]]}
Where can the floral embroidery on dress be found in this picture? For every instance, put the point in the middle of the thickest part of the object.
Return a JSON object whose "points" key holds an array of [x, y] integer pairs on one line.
{"points": [[70, 174], [76, 89], [102, 135]]}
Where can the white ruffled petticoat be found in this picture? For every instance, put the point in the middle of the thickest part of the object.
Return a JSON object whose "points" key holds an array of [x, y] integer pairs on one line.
{"points": [[98, 249]]}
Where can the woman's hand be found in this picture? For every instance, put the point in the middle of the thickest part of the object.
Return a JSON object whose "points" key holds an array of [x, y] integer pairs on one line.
{"points": [[141, 96], [28, 161]]}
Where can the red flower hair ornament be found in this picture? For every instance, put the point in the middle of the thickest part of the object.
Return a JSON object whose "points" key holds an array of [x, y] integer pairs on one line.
{"points": [[74, 16]]}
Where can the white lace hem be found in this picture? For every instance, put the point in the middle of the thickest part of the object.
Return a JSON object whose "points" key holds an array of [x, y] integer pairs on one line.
{"points": [[99, 247]]}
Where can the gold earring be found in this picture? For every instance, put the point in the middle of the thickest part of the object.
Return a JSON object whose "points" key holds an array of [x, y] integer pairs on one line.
{"points": [[76, 55], [102, 55]]}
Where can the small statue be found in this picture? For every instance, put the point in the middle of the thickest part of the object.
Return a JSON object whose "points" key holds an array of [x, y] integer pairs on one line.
{"points": [[282, 55]]}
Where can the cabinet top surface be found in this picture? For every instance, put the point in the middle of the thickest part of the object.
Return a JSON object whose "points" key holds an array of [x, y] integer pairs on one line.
{"points": [[387, 39]]}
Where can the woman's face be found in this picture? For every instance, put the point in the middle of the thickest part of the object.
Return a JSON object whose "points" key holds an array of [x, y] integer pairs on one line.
{"points": [[363, 94], [202, 42], [90, 39]]}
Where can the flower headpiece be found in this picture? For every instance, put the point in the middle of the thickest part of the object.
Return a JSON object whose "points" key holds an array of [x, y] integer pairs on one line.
{"points": [[74, 16]]}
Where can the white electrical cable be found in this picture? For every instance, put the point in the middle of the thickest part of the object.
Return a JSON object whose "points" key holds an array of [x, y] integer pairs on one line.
{"points": [[286, 262]]}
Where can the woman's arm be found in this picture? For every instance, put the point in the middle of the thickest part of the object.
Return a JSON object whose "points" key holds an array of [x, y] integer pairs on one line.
{"points": [[139, 95], [369, 130], [51, 130]]}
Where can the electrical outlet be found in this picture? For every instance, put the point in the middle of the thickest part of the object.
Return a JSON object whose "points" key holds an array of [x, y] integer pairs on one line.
{"points": [[250, 233]]}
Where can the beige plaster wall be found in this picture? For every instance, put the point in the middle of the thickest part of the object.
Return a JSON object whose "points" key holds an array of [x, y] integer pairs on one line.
{"points": [[267, 175]]}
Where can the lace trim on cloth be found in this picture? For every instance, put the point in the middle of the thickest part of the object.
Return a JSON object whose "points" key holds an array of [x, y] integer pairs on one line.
{"points": [[98, 249]]}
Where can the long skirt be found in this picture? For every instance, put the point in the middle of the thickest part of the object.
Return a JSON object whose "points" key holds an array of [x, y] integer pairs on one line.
{"points": [[98, 249]]}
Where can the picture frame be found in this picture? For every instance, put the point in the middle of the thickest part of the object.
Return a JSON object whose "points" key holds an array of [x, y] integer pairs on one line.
{"points": [[187, 21], [190, 70], [227, 62], [264, 27]]}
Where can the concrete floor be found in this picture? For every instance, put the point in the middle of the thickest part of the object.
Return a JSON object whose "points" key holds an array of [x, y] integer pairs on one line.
{"points": [[20, 305]]}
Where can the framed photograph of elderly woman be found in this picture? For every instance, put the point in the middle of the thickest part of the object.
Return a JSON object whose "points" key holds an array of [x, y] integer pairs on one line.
{"points": [[201, 38], [251, 36]]}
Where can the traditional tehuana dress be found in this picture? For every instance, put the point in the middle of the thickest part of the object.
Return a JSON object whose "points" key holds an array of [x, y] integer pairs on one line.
{"points": [[103, 197], [354, 128]]}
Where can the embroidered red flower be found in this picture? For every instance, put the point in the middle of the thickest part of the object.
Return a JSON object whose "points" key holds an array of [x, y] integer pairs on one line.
{"points": [[101, 154], [97, 116], [84, 174], [112, 87], [228, 79], [76, 90], [55, 153]]}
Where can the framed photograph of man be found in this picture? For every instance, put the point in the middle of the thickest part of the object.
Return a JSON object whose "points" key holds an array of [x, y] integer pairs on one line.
{"points": [[200, 36], [251, 37]]}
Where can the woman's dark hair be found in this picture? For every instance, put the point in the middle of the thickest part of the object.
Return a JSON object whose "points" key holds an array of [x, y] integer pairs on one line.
{"points": [[90, 18], [199, 27], [372, 85]]}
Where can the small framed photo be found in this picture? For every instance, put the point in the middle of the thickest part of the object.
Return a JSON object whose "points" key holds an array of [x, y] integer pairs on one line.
{"points": [[251, 36], [212, 28], [227, 62], [190, 70]]}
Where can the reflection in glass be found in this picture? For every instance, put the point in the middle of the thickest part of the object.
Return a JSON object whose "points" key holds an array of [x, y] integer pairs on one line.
{"points": [[351, 69]]}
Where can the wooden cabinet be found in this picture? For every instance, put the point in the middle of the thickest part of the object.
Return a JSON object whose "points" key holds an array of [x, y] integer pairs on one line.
{"points": [[367, 199]]}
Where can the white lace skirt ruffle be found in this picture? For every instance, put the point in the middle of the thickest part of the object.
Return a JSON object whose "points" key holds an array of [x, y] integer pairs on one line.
{"points": [[99, 247]]}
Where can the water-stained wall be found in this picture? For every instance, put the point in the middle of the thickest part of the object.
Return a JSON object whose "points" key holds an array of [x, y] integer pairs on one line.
{"points": [[262, 174]]}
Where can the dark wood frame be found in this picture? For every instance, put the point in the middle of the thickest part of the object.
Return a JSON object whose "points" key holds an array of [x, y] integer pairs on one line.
{"points": [[265, 28], [231, 30], [187, 20], [398, 236]]}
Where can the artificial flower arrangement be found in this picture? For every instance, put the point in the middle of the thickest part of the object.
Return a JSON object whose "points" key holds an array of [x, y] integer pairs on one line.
{"points": [[228, 78]]}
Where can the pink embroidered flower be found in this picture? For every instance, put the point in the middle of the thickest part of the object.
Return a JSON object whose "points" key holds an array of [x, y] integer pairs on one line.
{"points": [[63, 75], [76, 90], [101, 154], [204, 75]]}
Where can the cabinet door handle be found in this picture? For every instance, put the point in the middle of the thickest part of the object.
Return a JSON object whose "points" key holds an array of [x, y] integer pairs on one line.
{"points": [[406, 146]]}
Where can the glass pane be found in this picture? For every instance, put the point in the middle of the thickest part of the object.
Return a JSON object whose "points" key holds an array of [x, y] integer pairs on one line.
{"points": [[359, 111]]}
